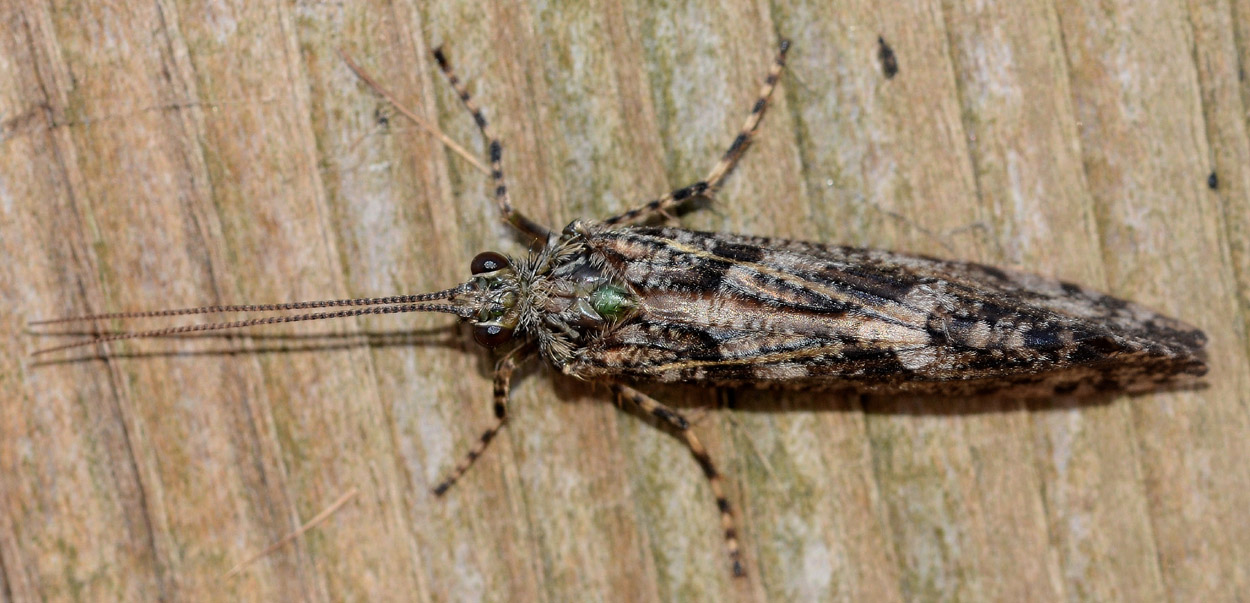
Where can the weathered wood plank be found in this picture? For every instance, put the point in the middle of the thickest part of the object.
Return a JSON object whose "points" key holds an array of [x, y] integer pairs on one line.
{"points": [[173, 154], [1142, 132]]}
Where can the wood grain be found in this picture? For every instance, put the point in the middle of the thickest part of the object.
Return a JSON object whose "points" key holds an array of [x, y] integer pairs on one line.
{"points": [[169, 154]]}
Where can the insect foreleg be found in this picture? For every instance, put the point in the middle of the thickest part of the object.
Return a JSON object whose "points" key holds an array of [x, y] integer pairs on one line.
{"points": [[657, 409], [503, 384], [502, 198], [727, 161]]}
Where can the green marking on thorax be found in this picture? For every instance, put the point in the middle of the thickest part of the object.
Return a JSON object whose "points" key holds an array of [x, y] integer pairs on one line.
{"points": [[611, 301]]}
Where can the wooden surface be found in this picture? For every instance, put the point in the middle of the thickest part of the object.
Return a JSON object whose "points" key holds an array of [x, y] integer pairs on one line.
{"points": [[166, 154]]}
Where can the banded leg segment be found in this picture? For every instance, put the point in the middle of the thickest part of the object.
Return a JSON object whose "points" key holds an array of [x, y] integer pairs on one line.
{"points": [[655, 408], [502, 198], [727, 161], [503, 384]]}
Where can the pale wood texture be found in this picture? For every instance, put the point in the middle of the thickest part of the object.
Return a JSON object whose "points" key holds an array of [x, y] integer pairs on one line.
{"points": [[167, 154]]}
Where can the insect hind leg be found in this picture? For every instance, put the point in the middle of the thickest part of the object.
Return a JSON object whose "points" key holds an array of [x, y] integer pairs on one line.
{"points": [[503, 384], [728, 160], [502, 198], [657, 409]]}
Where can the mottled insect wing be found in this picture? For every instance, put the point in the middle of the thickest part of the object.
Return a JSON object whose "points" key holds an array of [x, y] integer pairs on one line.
{"points": [[732, 309]]}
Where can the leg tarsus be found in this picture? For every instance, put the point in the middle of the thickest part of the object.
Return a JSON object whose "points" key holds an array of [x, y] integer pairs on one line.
{"points": [[503, 382], [727, 161], [663, 204], [502, 198], [657, 409]]}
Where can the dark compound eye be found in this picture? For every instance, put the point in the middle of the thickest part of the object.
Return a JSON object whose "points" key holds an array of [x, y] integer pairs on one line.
{"points": [[491, 335], [488, 261]]}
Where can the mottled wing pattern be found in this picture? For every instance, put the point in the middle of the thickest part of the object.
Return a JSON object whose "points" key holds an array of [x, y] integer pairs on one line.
{"points": [[752, 310]]}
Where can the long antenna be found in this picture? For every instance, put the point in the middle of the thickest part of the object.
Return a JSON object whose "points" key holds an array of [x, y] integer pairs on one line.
{"points": [[462, 311], [328, 303]]}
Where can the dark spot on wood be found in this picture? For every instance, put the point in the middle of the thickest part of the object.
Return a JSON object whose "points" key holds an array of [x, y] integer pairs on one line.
{"points": [[1213, 181], [889, 62]]}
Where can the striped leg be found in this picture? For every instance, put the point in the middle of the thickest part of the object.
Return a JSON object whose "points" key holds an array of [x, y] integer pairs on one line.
{"points": [[511, 215], [657, 409], [727, 161], [503, 382]]}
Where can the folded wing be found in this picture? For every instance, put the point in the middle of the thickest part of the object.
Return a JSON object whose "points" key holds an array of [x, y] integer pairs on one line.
{"points": [[751, 310]]}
